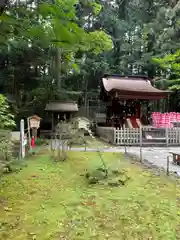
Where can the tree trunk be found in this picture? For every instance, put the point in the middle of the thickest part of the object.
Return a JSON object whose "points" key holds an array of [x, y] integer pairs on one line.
{"points": [[58, 68]]}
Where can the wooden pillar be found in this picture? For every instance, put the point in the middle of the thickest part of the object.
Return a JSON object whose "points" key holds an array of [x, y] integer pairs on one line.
{"points": [[148, 112], [34, 133], [52, 122]]}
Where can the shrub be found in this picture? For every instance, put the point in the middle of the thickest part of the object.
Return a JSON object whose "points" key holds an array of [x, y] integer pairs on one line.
{"points": [[6, 118], [40, 141], [6, 148], [6, 123]]}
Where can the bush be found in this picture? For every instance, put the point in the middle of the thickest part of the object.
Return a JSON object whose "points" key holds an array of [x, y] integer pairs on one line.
{"points": [[40, 141], [114, 178], [6, 118], [6, 145], [6, 149]]}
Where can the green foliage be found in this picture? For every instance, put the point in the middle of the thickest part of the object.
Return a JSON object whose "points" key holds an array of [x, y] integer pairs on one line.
{"points": [[96, 7], [171, 63], [59, 46], [6, 118], [31, 38], [99, 41], [6, 145], [6, 150], [40, 142]]}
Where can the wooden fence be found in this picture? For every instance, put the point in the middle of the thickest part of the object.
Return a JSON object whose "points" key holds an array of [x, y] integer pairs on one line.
{"points": [[145, 136], [127, 136]]}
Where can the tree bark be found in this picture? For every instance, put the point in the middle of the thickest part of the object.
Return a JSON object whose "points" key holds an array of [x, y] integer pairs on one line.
{"points": [[58, 68]]}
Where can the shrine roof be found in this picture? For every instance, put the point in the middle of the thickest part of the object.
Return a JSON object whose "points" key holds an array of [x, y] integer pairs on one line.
{"points": [[61, 107], [132, 86]]}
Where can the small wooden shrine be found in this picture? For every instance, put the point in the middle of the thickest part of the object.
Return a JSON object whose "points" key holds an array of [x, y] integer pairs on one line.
{"points": [[61, 111], [124, 97]]}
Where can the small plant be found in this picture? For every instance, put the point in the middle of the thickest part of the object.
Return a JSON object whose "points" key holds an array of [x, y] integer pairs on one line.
{"points": [[40, 142], [114, 178]]}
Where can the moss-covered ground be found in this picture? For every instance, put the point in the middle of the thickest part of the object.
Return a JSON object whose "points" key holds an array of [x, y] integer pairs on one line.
{"points": [[48, 200]]}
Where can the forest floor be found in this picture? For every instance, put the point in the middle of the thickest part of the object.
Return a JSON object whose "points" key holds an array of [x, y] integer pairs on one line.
{"points": [[51, 201]]}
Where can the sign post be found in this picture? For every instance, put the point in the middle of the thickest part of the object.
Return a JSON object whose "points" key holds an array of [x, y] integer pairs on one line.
{"points": [[22, 139], [33, 123], [29, 136]]}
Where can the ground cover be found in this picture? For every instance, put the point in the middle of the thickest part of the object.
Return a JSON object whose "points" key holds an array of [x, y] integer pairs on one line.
{"points": [[48, 200], [92, 143]]}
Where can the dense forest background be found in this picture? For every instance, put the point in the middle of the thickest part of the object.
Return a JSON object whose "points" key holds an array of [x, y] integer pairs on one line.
{"points": [[57, 50]]}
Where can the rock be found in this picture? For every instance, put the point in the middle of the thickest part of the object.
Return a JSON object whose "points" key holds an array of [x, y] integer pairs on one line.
{"points": [[104, 183], [102, 170], [7, 209], [122, 182], [114, 183], [87, 175], [116, 172], [93, 180], [100, 175]]}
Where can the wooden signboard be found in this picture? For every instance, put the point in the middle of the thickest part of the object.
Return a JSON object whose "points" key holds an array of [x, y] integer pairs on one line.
{"points": [[34, 121]]}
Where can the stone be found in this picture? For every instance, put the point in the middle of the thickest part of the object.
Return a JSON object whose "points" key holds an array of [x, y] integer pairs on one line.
{"points": [[114, 183]]}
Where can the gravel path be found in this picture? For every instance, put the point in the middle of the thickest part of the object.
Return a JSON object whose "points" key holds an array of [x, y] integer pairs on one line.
{"points": [[157, 157]]}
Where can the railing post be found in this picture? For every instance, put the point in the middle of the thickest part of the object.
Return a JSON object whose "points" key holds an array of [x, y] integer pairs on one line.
{"points": [[125, 148], [168, 165], [167, 138], [140, 129], [114, 132], [22, 145], [140, 143]]}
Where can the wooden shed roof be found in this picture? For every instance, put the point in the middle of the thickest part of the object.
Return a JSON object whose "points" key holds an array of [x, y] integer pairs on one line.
{"points": [[61, 107]]}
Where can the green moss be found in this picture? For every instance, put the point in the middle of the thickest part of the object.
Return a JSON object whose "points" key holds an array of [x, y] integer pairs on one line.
{"points": [[92, 143], [48, 200]]}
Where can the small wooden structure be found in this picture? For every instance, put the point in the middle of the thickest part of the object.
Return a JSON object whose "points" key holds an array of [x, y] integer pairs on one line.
{"points": [[61, 111]]}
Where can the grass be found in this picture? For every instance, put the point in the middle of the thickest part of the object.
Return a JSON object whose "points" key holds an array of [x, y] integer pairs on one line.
{"points": [[92, 143], [52, 201]]}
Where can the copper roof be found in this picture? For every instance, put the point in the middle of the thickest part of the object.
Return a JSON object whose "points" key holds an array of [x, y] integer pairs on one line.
{"points": [[134, 87], [61, 107]]}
